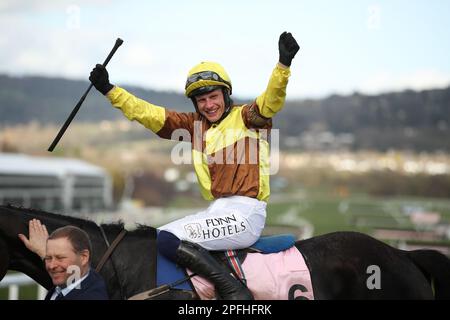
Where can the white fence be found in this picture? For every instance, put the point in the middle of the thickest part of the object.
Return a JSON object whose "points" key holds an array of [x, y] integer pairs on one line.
{"points": [[13, 283]]}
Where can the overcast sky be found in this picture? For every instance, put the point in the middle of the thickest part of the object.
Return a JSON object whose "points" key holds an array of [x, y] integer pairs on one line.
{"points": [[346, 46]]}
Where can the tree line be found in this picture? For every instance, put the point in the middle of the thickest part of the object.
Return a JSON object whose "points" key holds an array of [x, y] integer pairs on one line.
{"points": [[413, 120]]}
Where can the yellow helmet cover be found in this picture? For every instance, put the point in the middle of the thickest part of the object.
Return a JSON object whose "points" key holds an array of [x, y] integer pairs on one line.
{"points": [[207, 74]]}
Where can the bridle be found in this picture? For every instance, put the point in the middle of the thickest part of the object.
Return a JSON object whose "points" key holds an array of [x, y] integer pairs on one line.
{"points": [[110, 249]]}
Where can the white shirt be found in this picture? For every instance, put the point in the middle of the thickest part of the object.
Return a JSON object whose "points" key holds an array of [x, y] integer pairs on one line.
{"points": [[65, 291]]}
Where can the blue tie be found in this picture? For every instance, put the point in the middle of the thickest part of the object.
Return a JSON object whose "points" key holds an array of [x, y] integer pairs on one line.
{"points": [[59, 296]]}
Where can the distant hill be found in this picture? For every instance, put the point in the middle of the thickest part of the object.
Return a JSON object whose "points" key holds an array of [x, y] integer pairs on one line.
{"points": [[50, 100], [402, 120]]}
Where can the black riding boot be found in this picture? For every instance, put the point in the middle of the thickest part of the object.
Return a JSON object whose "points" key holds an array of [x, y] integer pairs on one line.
{"points": [[199, 260]]}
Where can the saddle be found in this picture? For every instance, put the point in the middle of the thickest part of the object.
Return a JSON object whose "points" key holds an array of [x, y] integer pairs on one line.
{"points": [[171, 276], [264, 245]]}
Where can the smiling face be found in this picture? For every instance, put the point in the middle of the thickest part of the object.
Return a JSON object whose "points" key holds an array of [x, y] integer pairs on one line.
{"points": [[60, 256], [211, 105]]}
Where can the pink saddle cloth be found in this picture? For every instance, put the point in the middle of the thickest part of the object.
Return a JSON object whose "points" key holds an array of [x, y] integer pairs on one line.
{"points": [[276, 276]]}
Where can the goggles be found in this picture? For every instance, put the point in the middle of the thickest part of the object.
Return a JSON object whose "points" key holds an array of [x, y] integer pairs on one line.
{"points": [[205, 75]]}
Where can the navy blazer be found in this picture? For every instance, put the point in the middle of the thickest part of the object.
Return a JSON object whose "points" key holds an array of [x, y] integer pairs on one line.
{"points": [[91, 288]]}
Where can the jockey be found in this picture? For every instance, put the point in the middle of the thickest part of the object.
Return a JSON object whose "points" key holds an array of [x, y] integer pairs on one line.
{"points": [[230, 155]]}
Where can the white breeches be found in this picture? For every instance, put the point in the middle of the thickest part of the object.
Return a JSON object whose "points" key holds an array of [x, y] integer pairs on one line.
{"points": [[228, 223]]}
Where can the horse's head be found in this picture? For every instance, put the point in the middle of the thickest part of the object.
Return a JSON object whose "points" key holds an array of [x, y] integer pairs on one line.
{"points": [[13, 253], [8, 240], [4, 259], [131, 268]]}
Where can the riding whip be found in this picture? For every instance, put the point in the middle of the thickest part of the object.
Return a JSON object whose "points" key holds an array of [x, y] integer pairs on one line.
{"points": [[77, 107]]}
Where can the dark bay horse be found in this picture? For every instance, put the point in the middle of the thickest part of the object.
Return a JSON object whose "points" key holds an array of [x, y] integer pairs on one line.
{"points": [[338, 262]]}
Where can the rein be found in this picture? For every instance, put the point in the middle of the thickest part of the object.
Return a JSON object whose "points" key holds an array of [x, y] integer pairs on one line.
{"points": [[107, 254], [152, 293]]}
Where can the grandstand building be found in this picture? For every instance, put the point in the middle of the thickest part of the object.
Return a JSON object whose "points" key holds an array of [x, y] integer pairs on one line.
{"points": [[54, 184]]}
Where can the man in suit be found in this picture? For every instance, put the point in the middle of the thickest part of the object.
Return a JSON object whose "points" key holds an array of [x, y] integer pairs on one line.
{"points": [[66, 253]]}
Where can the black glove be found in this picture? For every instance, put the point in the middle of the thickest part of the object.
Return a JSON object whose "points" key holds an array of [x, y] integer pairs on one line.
{"points": [[100, 79], [287, 47]]}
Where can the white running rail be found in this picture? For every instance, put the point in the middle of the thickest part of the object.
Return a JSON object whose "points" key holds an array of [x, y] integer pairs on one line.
{"points": [[13, 283]]}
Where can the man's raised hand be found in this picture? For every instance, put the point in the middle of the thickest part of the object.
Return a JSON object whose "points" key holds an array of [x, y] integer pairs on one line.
{"points": [[288, 47], [38, 238], [100, 79]]}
